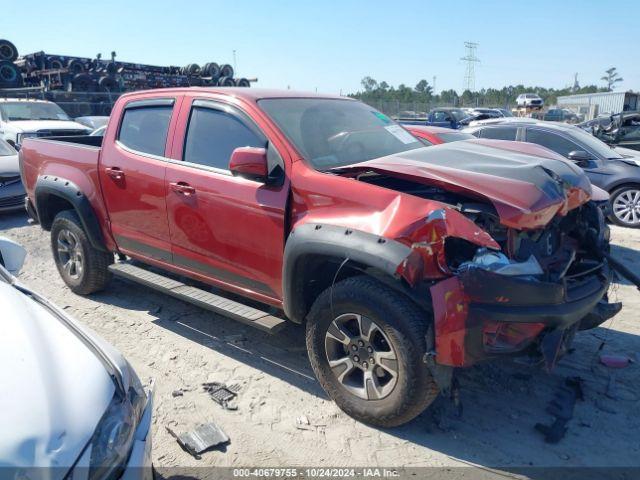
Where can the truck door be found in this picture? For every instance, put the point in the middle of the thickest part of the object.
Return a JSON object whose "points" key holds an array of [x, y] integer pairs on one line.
{"points": [[132, 171], [227, 230]]}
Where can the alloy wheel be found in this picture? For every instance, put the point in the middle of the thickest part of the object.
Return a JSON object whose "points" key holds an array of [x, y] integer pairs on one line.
{"points": [[70, 254], [626, 207], [361, 356]]}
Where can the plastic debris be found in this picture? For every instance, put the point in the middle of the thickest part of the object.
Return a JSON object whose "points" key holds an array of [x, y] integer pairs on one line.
{"points": [[200, 439], [222, 394], [615, 361], [561, 407]]}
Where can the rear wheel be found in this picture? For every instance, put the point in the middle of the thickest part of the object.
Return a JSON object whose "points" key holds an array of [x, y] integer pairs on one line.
{"points": [[366, 343], [82, 267], [625, 206]]}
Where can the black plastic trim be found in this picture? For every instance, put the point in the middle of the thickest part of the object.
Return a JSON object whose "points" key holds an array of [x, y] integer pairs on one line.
{"points": [[50, 185], [317, 239]]}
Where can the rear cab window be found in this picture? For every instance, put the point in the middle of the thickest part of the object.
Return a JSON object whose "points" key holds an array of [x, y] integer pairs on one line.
{"points": [[145, 125]]}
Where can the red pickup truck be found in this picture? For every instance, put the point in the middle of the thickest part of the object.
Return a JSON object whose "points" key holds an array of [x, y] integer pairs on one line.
{"points": [[403, 261]]}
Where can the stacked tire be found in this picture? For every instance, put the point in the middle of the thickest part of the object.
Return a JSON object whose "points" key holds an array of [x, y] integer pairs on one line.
{"points": [[10, 75]]}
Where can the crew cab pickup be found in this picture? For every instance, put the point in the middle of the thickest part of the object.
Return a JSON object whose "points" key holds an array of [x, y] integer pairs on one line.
{"points": [[404, 262]]}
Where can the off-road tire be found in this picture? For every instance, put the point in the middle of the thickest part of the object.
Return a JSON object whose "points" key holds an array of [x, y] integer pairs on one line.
{"points": [[95, 272], [404, 324]]}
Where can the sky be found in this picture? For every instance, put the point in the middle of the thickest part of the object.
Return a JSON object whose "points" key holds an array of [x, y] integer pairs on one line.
{"points": [[330, 45]]}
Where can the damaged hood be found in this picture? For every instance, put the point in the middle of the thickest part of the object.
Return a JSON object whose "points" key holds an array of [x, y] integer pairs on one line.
{"points": [[55, 389], [527, 184]]}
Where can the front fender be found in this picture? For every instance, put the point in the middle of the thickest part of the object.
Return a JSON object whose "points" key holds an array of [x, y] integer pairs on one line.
{"points": [[315, 239]]}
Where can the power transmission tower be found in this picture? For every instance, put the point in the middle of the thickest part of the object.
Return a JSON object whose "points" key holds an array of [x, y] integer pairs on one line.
{"points": [[471, 59]]}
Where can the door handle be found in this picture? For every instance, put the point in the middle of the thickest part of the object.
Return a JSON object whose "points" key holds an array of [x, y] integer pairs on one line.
{"points": [[115, 173], [182, 188]]}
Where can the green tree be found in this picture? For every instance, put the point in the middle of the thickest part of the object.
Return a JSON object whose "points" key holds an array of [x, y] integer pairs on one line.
{"points": [[611, 78]]}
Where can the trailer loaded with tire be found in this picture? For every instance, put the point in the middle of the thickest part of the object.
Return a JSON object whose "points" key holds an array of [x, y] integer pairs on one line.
{"points": [[90, 86]]}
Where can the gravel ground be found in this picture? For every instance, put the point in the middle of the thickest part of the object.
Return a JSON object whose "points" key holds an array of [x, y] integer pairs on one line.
{"points": [[181, 347]]}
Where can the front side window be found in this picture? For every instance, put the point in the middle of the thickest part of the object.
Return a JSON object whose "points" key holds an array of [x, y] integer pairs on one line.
{"points": [[332, 133], [213, 135], [500, 133], [552, 141], [144, 129]]}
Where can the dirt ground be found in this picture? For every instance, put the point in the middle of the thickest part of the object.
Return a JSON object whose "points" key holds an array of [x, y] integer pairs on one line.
{"points": [[181, 347]]}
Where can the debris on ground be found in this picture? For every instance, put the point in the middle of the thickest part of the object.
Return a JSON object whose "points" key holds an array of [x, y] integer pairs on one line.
{"points": [[222, 394], [615, 361], [561, 407], [177, 393], [200, 439], [303, 423]]}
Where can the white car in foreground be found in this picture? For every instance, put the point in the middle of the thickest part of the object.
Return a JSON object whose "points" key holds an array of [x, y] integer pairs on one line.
{"points": [[71, 405]]}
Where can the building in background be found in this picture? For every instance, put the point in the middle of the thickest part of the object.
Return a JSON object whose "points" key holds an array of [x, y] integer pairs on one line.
{"points": [[590, 105]]}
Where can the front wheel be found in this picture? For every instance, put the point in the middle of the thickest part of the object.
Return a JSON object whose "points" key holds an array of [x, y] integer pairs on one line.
{"points": [[625, 206], [366, 344]]}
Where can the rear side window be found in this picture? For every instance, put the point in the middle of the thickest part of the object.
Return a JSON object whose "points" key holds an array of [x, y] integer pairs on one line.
{"points": [[500, 133], [213, 135], [144, 129], [552, 141]]}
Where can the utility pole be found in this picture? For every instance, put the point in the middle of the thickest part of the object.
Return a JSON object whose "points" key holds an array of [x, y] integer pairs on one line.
{"points": [[471, 59], [434, 85], [235, 67]]}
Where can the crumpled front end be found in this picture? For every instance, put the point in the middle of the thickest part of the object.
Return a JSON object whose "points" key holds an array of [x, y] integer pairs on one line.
{"points": [[528, 299]]}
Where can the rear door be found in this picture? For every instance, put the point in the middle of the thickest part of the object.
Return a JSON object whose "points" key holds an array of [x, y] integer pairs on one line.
{"points": [[132, 174], [227, 230]]}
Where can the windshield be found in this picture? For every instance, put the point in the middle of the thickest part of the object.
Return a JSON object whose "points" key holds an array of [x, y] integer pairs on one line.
{"points": [[595, 144], [333, 133], [6, 149], [13, 111], [455, 136]]}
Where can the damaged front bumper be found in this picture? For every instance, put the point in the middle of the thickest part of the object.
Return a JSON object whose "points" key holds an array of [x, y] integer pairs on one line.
{"points": [[480, 314]]}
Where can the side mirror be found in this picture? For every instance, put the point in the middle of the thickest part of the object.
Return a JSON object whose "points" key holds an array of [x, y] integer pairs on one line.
{"points": [[579, 156], [12, 255], [249, 162]]}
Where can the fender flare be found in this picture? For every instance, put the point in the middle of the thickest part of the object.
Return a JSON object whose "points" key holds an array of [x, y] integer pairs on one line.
{"points": [[47, 185], [374, 251]]}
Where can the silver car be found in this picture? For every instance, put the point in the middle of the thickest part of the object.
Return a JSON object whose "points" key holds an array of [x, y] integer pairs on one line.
{"points": [[525, 100], [72, 407]]}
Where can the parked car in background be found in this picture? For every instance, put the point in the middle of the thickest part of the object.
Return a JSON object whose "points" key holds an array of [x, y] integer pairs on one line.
{"points": [[437, 135], [560, 115], [441, 117], [598, 122], [12, 193], [529, 100], [72, 407], [490, 112], [98, 132], [398, 258], [93, 122], [617, 173], [623, 130], [505, 112], [23, 118]]}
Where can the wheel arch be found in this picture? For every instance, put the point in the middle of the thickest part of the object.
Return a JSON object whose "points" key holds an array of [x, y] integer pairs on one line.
{"points": [[54, 194], [316, 254]]}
